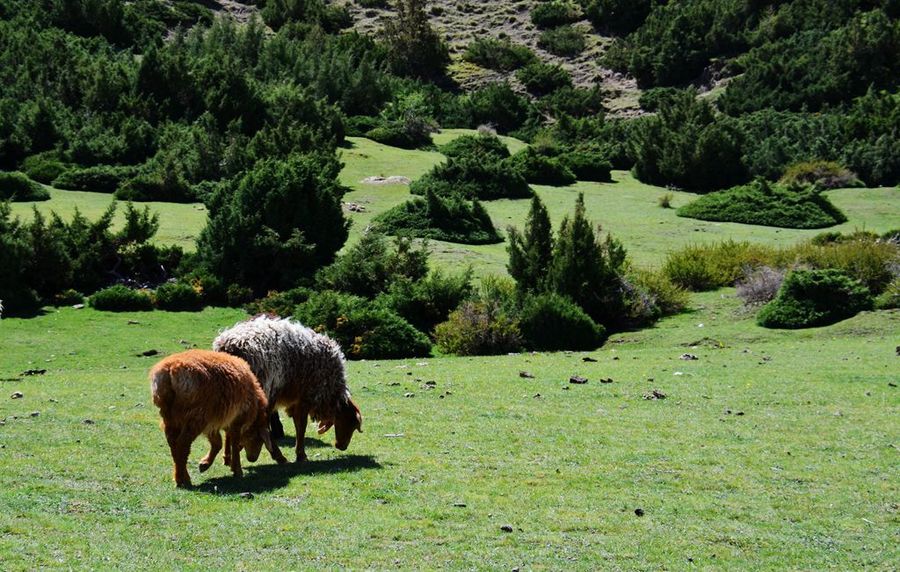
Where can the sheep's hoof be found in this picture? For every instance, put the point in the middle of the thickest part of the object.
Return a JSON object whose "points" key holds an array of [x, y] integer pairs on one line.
{"points": [[301, 459], [184, 484], [204, 466]]}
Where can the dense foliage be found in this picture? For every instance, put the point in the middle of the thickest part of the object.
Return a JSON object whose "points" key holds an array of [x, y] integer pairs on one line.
{"points": [[449, 218], [17, 186], [767, 204], [500, 55], [810, 298]]}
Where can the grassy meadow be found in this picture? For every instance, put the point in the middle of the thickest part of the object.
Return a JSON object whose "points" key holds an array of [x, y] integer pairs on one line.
{"points": [[772, 450]]}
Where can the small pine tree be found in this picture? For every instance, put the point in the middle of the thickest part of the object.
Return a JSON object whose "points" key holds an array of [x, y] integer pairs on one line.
{"points": [[586, 268], [530, 255], [415, 49]]}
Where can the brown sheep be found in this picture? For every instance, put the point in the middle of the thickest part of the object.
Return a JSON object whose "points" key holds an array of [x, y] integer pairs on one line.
{"points": [[201, 392]]}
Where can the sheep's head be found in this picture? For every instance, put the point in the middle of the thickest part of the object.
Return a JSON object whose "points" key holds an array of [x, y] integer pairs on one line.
{"points": [[347, 420], [254, 437]]}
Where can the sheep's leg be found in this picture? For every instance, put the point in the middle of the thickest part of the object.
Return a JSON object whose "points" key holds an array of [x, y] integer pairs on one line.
{"points": [[180, 454], [215, 445], [233, 440], [228, 440], [300, 416], [275, 426]]}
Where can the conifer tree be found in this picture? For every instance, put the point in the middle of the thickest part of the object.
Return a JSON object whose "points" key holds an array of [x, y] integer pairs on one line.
{"points": [[530, 255], [586, 268], [415, 49]]}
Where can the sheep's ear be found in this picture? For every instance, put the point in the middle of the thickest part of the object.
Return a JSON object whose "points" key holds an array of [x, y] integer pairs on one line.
{"points": [[358, 422], [325, 426]]}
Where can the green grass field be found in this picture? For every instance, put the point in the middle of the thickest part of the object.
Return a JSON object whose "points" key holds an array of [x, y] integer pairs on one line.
{"points": [[774, 450]]}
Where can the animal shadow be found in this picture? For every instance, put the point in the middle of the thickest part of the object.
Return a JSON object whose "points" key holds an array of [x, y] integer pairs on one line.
{"points": [[269, 477]]}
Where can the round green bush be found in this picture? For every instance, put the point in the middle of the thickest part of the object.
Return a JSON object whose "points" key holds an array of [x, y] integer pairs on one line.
{"points": [[488, 146], [541, 79], [767, 204], [479, 328], [178, 297], [18, 187], [44, 167], [564, 41], [97, 179], [551, 322], [540, 169], [120, 298], [448, 218], [555, 13], [810, 298], [500, 55], [68, 297]]}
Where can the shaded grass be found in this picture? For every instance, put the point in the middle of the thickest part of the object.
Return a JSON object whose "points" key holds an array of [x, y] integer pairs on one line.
{"points": [[806, 478]]}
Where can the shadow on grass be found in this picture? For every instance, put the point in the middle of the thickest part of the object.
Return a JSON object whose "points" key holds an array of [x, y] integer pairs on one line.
{"points": [[287, 442], [269, 477]]}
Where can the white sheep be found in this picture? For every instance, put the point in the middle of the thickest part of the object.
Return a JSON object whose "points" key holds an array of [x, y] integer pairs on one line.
{"points": [[300, 370]]}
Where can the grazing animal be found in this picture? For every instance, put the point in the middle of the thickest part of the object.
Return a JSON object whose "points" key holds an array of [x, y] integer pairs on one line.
{"points": [[300, 370], [200, 392]]}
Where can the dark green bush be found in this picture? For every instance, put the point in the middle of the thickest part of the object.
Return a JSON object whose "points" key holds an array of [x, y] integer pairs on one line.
{"points": [[18, 187], [540, 169], [617, 16], [156, 186], [766, 204], [587, 165], [370, 266], [396, 136], [500, 55], [810, 298], [44, 167], [120, 298], [449, 218], [211, 289], [99, 179], [488, 146], [541, 79], [473, 177], [359, 125], [575, 102], [551, 322], [555, 13], [565, 41], [364, 330], [495, 104], [178, 297], [427, 302]]}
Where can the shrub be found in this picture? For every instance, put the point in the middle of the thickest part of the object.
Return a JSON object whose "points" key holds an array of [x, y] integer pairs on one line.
{"points": [[429, 301], [16, 186], [479, 328], [822, 174], [364, 329], [759, 285], [275, 225], [890, 298], [44, 167], [551, 322], [707, 267], [531, 252], [500, 55], [166, 185], [369, 267], [397, 136], [178, 297], [650, 296], [120, 298], [541, 79], [872, 262], [617, 16], [665, 201], [68, 297], [496, 104], [451, 219], [280, 304], [563, 41], [555, 13], [542, 170], [573, 101], [359, 125], [415, 49], [482, 145], [766, 204], [98, 179], [587, 165], [810, 298], [211, 289], [473, 177]]}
